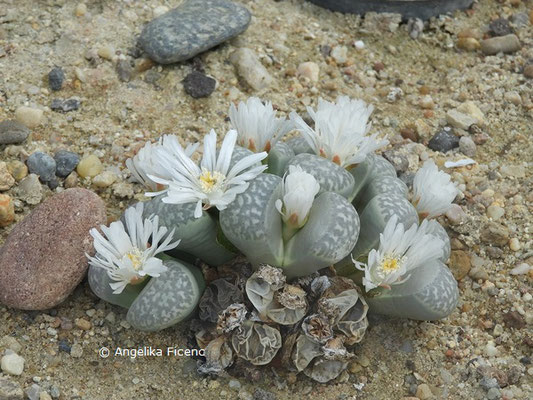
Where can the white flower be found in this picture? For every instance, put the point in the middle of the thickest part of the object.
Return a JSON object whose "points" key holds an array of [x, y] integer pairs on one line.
{"points": [[256, 124], [213, 183], [433, 191], [128, 255], [298, 193], [399, 253], [143, 163], [341, 129]]}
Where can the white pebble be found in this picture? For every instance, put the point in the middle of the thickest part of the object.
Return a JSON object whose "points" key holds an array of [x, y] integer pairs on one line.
{"points": [[495, 212], [12, 364], [490, 349], [514, 244], [160, 10], [309, 70], [339, 54], [520, 269], [359, 44], [250, 68], [31, 117], [81, 9]]}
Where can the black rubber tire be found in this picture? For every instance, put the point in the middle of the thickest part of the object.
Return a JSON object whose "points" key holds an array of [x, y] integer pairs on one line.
{"points": [[423, 9]]}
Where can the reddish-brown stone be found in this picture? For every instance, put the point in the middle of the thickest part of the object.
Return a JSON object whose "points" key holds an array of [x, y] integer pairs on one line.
{"points": [[43, 258]]}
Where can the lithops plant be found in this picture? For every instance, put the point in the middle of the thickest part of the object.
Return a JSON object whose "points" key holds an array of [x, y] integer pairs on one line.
{"points": [[131, 270]]}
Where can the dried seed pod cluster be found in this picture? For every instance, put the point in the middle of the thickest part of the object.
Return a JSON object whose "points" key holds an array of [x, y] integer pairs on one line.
{"points": [[308, 325]]}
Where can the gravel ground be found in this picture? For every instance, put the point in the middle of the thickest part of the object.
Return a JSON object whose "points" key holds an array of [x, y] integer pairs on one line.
{"points": [[483, 350]]}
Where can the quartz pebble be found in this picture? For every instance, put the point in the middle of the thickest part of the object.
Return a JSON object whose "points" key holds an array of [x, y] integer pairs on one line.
{"points": [[471, 109], [105, 179], [495, 212], [6, 179], [12, 364], [520, 269], [89, 166], [514, 244], [192, 28], [504, 44], [490, 349], [339, 54], [28, 116], [43, 165], [459, 120], [12, 132], [424, 392], [66, 161], [106, 52], [7, 210], [309, 70], [250, 68]]}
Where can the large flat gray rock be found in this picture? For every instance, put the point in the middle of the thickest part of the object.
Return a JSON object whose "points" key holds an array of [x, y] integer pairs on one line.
{"points": [[192, 28]]}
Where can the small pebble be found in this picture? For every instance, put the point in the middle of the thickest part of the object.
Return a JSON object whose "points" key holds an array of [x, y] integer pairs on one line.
{"points": [[71, 181], [309, 70], [106, 52], [495, 234], [89, 166], [444, 141], [234, 384], [339, 54], [459, 120], [33, 392], [43, 165], [67, 105], [124, 70], [490, 349], [467, 146], [12, 132], [504, 44], [197, 85], [520, 269], [514, 244], [76, 351], [6, 179], [423, 392], [456, 214], [495, 212], [12, 364], [30, 117], [7, 210], [359, 44], [83, 324], [105, 179], [460, 264], [30, 190], [44, 396], [471, 109], [17, 169], [468, 44], [250, 69], [494, 394], [500, 27], [55, 78], [66, 161], [426, 102], [81, 10], [513, 97], [528, 71]]}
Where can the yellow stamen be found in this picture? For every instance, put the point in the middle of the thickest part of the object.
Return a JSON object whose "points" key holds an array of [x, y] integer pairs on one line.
{"points": [[135, 256], [210, 181], [390, 265]]}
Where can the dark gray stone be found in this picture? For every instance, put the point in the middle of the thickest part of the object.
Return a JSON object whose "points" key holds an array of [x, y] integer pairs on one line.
{"points": [[43, 165], [67, 105], [12, 132], [198, 85], [444, 141], [66, 161], [262, 394], [500, 27], [55, 78], [520, 19], [192, 28]]}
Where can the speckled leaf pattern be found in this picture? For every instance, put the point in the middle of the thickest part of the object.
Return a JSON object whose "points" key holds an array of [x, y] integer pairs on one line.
{"points": [[330, 176], [299, 145], [278, 158], [383, 184], [252, 222], [430, 293], [369, 170], [198, 235], [376, 215], [328, 236], [167, 299], [99, 282]]}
